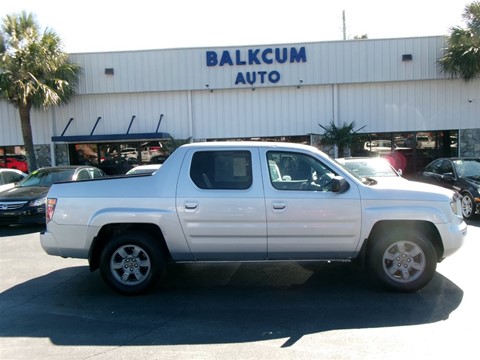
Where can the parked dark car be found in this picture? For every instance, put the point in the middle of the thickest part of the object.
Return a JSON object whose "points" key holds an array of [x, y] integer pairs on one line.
{"points": [[461, 174], [118, 165], [158, 159], [25, 202]]}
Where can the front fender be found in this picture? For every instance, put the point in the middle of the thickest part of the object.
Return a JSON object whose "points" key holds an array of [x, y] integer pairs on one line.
{"points": [[374, 213]]}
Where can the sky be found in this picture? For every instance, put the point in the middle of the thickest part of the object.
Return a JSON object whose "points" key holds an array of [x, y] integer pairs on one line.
{"points": [[120, 25]]}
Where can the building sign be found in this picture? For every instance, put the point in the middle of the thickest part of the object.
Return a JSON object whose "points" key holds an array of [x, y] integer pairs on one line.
{"points": [[252, 57]]}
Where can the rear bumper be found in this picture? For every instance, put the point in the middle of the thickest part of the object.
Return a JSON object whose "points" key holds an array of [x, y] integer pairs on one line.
{"points": [[49, 243], [65, 241]]}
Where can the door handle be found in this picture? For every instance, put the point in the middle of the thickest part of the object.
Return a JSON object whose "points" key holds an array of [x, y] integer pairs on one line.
{"points": [[279, 206], [191, 207]]}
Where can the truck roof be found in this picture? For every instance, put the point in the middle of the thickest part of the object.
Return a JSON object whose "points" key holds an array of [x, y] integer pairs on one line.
{"points": [[248, 144]]}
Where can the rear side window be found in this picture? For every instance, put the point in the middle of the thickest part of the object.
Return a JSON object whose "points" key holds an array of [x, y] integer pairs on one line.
{"points": [[222, 170], [10, 177], [83, 175]]}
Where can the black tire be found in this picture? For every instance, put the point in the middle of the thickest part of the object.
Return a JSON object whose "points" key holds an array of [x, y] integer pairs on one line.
{"points": [[468, 206], [402, 261], [132, 263]]}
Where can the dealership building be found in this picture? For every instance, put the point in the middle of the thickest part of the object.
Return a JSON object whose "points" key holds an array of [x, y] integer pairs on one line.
{"points": [[392, 89]]}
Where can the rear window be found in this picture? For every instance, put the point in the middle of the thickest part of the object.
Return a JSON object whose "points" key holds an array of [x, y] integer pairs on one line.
{"points": [[222, 170]]}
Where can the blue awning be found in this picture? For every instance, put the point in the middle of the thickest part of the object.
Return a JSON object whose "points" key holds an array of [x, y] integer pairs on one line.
{"points": [[111, 137]]}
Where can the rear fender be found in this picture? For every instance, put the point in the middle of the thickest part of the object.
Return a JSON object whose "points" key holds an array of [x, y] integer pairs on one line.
{"points": [[165, 220]]}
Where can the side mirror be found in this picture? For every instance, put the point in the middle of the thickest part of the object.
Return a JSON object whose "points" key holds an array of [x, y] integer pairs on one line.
{"points": [[448, 177], [339, 184]]}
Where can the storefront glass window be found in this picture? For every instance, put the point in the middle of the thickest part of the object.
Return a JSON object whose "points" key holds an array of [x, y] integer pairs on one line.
{"points": [[117, 158], [13, 157], [408, 151]]}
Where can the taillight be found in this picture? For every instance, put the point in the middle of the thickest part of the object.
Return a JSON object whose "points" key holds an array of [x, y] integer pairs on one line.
{"points": [[51, 203]]}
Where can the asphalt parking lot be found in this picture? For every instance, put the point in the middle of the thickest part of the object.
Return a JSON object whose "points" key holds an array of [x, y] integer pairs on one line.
{"points": [[53, 308]]}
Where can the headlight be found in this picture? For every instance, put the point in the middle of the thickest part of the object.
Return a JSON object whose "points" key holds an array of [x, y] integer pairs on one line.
{"points": [[38, 202]]}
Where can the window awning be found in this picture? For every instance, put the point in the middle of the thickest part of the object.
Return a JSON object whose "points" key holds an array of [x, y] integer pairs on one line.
{"points": [[111, 137]]}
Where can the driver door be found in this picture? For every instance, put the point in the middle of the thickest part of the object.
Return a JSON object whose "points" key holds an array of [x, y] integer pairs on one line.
{"points": [[305, 218]]}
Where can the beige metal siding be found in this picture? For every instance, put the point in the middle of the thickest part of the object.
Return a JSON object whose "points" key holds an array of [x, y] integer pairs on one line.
{"points": [[116, 112], [411, 106], [263, 112], [10, 133], [139, 71], [354, 61], [364, 81]]}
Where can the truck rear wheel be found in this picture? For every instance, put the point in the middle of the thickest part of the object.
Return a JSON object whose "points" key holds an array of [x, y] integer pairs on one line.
{"points": [[402, 261], [132, 263]]}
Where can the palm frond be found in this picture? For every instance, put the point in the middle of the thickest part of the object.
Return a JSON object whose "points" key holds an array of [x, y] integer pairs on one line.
{"points": [[34, 67], [339, 136], [462, 52]]}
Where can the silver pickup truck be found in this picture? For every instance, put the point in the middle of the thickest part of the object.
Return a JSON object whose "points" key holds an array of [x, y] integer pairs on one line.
{"points": [[252, 201]]}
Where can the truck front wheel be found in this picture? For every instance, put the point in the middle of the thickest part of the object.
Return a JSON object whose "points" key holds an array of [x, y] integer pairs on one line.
{"points": [[132, 263], [402, 261]]}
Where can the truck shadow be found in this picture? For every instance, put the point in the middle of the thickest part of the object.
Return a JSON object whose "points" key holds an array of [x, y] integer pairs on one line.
{"points": [[216, 303]]}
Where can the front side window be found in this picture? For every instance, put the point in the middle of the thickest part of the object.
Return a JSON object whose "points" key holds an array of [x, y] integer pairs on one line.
{"points": [[435, 167], [440, 167], [297, 171], [446, 167], [222, 170]]}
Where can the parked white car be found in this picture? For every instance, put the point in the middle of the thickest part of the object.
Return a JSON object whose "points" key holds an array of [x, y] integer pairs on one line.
{"points": [[381, 147], [373, 167], [424, 141], [9, 177], [129, 152], [144, 169]]}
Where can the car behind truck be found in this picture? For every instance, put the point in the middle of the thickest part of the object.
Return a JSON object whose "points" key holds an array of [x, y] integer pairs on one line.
{"points": [[252, 201]]}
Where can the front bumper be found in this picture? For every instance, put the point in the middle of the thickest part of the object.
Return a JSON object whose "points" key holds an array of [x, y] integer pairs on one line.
{"points": [[453, 235], [22, 217]]}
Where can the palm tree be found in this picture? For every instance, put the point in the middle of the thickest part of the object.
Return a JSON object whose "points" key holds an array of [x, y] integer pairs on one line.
{"points": [[462, 54], [34, 71], [341, 137]]}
